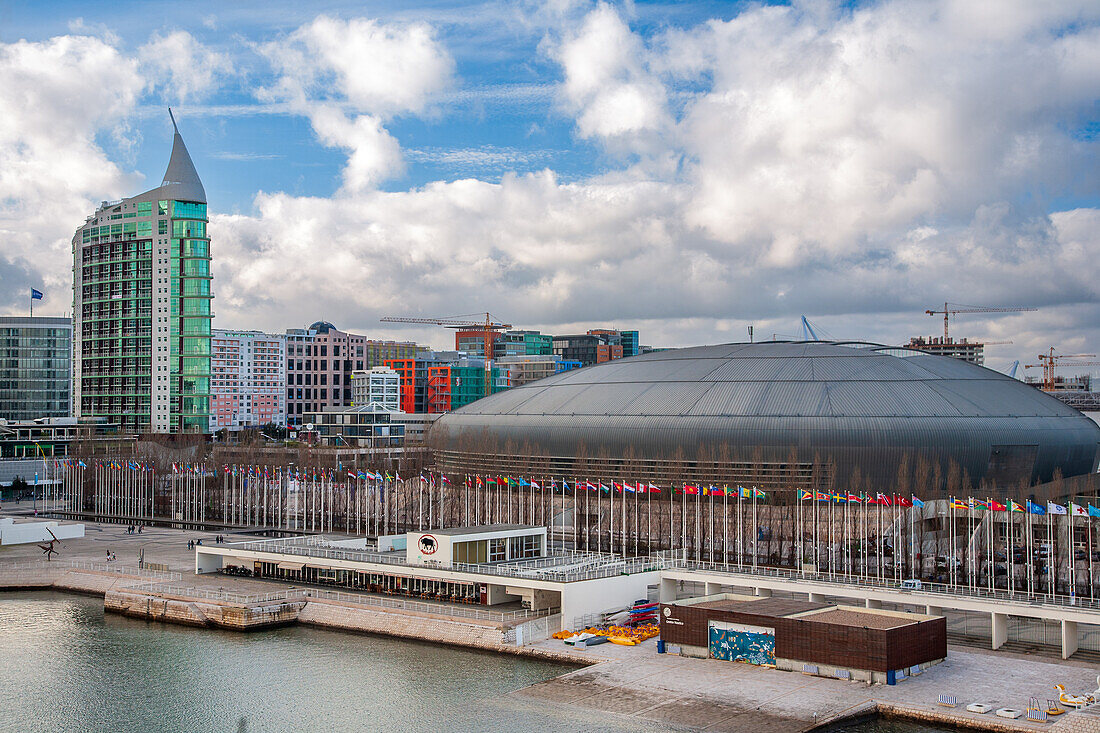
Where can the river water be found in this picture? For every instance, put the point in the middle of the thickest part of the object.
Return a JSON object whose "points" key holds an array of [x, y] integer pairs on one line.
{"points": [[66, 666]]}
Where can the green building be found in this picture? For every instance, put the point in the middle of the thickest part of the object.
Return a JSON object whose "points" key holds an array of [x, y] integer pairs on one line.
{"points": [[468, 383], [141, 307]]}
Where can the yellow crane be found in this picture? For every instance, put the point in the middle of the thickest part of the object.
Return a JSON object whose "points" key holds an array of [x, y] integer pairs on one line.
{"points": [[488, 328], [952, 309], [1050, 361]]}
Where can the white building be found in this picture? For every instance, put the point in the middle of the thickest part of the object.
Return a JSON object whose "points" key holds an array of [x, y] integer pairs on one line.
{"points": [[247, 380], [380, 386], [489, 566]]}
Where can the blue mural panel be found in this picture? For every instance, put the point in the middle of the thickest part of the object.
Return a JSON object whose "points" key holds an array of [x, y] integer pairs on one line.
{"points": [[740, 645]]}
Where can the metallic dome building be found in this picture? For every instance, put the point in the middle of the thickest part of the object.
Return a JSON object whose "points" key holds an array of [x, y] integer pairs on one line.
{"points": [[780, 414]]}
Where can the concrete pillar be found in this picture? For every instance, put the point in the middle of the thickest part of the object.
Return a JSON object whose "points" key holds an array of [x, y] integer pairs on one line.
{"points": [[764, 592], [1000, 629], [712, 589], [668, 590], [933, 610], [872, 603], [817, 598], [1069, 638]]}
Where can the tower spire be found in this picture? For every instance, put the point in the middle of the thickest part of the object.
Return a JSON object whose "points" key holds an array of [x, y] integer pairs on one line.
{"points": [[181, 175]]}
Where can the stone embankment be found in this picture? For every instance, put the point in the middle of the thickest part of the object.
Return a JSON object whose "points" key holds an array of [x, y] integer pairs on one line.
{"points": [[145, 594]]}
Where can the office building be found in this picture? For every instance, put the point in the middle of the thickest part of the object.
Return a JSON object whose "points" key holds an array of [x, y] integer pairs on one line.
{"points": [[523, 343], [440, 381], [35, 367], [595, 347], [248, 379], [141, 307], [321, 360], [378, 386], [363, 426], [525, 369]]}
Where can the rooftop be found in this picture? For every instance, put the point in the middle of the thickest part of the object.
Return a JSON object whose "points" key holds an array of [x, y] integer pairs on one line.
{"points": [[483, 529]]}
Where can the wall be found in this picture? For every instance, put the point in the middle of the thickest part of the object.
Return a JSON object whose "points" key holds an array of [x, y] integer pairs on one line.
{"points": [[26, 532], [584, 597]]}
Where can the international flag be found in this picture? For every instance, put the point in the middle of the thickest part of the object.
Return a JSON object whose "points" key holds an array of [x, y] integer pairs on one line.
{"points": [[1093, 511], [397, 476], [715, 491], [36, 294], [1053, 508], [981, 504], [478, 482], [804, 495], [883, 499], [654, 489], [694, 490], [853, 499], [745, 494], [1034, 508], [353, 475], [997, 506], [902, 501], [959, 504], [604, 489], [535, 485], [589, 486], [1077, 510], [1015, 506], [444, 480], [82, 464], [918, 503], [630, 487]]}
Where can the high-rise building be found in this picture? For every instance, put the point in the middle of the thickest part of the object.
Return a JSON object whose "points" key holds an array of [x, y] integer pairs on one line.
{"points": [[523, 343], [971, 351], [141, 307], [247, 380], [35, 367], [631, 345], [320, 361]]}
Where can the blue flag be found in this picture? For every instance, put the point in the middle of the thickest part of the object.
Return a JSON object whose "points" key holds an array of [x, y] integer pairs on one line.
{"points": [[36, 294], [1093, 511], [1035, 508]]}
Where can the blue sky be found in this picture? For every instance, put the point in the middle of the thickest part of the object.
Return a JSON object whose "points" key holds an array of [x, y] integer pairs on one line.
{"points": [[686, 169]]}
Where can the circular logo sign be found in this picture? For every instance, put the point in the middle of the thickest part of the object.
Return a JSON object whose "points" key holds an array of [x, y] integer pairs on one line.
{"points": [[668, 611], [427, 544]]}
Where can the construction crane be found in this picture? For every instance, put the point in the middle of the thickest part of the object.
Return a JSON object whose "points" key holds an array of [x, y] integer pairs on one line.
{"points": [[951, 309], [1050, 361], [488, 328]]}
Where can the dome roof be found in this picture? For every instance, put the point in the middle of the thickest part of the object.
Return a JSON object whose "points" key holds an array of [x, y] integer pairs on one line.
{"points": [[831, 398], [322, 327]]}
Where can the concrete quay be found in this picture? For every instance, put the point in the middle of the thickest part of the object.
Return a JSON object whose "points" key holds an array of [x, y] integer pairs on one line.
{"points": [[711, 695]]}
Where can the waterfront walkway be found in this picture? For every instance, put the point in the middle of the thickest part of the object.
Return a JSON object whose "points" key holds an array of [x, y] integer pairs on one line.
{"points": [[714, 695]]}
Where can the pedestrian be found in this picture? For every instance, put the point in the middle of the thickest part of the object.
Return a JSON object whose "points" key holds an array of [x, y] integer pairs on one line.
{"points": [[108, 556], [140, 527]]}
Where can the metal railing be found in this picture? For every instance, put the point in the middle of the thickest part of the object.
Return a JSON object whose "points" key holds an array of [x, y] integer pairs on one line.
{"points": [[858, 581], [97, 567], [564, 567]]}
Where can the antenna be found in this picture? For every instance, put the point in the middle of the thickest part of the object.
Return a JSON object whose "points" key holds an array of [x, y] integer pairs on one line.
{"points": [[173, 117]]}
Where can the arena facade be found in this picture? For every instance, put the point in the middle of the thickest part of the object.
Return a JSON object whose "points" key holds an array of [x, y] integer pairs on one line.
{"points": [[859, 416]]}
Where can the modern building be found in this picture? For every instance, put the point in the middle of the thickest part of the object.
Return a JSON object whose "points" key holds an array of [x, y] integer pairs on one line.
{"points": [[440, 381], [779, 415], [35, 367], [141, 307], [518, 570], [379, 386], [523, 343], [26, 445], [809, 637], [416, 425], [364, 426], [631, 343], [526, 369], [594, 347], [321, 360], [247, 380], [971, 351]]}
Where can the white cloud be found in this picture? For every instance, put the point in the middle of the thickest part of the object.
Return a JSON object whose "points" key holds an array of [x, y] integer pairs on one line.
{"points": [[348, 77], [182, 68], [57, 96], [607, 82]]}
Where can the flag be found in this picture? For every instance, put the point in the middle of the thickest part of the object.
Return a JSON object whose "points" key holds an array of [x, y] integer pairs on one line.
{"points": [[980, 504], [959, 504], [351, 474], [534, 485], [653, 488], [444, 480], [694, 490], [1034, 508], [759, 494], [1093, 511], [804, 495], [902, 501], [604, 489], [883, 499], [997, 506], [839, 498], [1053, 508], [478, 482], [745, 494], [1015, 506], [917, 502], [36, 294], [629, 487], [1077, 510], [853, 499], [715, 491], [82, 464]]}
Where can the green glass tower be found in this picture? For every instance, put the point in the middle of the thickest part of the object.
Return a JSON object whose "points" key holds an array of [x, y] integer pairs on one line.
{"points": [[141, 307]]}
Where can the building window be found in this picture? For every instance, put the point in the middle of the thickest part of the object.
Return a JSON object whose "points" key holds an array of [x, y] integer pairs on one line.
{"points": [[497, 550]]}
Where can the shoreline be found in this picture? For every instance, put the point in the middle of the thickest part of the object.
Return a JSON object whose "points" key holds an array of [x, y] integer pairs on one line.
{"points": [[591, 674]]}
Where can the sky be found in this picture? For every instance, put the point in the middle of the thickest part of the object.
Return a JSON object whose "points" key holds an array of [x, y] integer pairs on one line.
{"points": [[683, 169]]}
